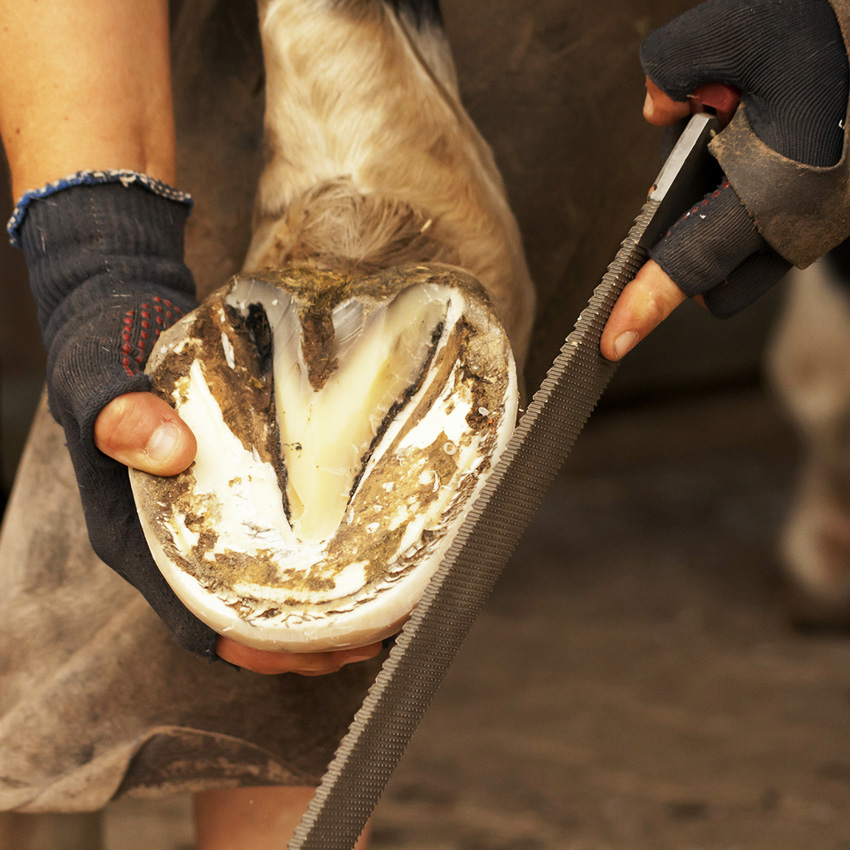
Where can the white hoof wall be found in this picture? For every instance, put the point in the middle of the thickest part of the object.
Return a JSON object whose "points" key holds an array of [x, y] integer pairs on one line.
{"points": [[344, 429]]}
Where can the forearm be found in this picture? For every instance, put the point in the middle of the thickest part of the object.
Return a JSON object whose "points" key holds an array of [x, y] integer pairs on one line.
{"points": [[85, 84]]}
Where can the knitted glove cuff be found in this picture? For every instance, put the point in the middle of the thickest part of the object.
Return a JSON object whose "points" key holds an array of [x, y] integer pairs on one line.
{"points": [[90, 178]]}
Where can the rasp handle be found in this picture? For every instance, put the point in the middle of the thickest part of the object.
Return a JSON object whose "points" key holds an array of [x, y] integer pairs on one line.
{"points": [[410, 676]]}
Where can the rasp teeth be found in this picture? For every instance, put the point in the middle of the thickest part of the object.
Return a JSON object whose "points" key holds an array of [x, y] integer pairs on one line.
{"points": [[429, 642], [409, 678]]}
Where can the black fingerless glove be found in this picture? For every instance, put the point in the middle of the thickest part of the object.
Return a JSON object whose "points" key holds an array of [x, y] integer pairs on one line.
{"points": [[105, 257], [790, 62]]}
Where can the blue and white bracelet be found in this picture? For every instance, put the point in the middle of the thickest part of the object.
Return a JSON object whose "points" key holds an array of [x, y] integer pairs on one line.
{"points": [[91, 178]]}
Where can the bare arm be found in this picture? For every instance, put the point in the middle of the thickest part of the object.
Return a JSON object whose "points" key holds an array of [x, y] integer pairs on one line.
{"points": [[85, 85]]}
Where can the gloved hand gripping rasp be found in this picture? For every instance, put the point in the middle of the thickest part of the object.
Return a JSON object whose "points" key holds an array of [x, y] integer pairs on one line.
{"points": [[105, 259], [787, 197]]}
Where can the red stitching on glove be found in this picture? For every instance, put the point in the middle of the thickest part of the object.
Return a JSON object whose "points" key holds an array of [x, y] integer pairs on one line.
{"points": [[704, 203], [160, 305], [126, 348]]}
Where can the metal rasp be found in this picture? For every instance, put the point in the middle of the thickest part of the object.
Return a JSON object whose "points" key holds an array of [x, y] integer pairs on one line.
{"points": [[423, 651]]}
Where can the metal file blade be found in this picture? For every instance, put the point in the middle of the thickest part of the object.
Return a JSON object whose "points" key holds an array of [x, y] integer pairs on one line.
{"points": [[416, 665]]}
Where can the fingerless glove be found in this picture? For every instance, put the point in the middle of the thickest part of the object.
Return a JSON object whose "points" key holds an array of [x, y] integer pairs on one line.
{"points": [[105, 257], [789, 60]]}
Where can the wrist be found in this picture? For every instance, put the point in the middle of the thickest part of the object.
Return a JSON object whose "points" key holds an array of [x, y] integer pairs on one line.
{"points": [[41, 154]]}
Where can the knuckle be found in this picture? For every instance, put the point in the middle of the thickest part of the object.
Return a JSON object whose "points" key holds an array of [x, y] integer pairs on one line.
{"points": [[662, 304], [653, 306], [110, 425]]}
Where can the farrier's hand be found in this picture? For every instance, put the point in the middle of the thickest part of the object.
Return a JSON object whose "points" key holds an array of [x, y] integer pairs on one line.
{"points": [[790, 64], [106, 269]]}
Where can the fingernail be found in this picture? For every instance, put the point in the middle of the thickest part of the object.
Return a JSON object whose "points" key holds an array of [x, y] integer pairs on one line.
{"points": [[624, 343], [163, 442]]}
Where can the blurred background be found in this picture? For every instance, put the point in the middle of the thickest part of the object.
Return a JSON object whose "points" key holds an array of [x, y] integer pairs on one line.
{"points": [[634, 682]]}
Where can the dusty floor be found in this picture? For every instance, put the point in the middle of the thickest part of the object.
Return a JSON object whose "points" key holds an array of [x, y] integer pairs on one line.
{"points": [[632, 684]]}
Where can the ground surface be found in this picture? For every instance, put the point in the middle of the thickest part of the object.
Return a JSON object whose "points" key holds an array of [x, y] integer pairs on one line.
{"points": [[632, 684]]}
